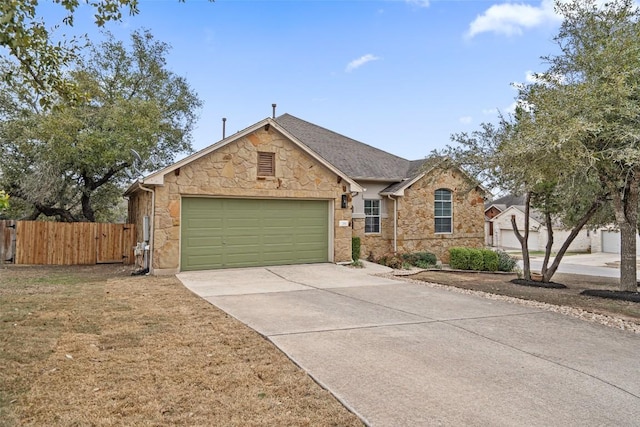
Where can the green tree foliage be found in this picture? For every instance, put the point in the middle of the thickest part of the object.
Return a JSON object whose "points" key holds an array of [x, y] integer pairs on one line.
{"points": [[508, 157], [71, 161], [40, 61], [587, 105], [4, 200]]}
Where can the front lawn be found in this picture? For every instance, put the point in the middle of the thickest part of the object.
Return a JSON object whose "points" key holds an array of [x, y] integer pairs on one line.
{"points": [[96, 346]]}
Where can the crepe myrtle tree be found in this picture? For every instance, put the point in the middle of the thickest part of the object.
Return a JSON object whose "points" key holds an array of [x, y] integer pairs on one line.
{"points": [[71, 162]]}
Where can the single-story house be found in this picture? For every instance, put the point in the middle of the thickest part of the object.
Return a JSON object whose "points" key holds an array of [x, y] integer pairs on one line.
{"points": [[286, 191], [499, 231]]}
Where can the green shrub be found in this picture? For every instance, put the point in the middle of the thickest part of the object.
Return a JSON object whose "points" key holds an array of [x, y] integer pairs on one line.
{"points": [[424, 264], [490, 260], [505, 261], [355, 248], [459, 258], [426, 258], [476, 260], [420, 259]]}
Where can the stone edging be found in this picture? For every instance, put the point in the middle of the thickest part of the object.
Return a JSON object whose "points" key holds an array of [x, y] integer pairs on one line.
{"points": [[577, 313]]}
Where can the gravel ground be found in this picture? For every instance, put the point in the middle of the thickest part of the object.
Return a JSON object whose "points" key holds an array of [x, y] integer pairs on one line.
{"points": [[566, 310]]}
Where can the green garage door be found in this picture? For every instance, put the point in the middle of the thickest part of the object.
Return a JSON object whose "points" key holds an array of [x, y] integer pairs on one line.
{"points": [[224, 233]]}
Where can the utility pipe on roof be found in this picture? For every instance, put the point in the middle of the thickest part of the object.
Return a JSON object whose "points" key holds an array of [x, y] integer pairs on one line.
{"points": [[395, 223]]}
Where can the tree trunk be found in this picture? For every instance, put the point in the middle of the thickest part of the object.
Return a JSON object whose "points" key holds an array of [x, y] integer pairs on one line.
{"points": [[87, 209], [524, 240], [625, 203], [628, 280], [548, 247], [547, 274]]}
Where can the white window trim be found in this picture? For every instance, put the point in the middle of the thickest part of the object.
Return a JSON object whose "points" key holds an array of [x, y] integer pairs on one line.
{"points": [[450, 217], [379, 216]]}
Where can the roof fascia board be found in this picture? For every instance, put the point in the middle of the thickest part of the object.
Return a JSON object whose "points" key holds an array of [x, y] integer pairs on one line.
{"points": [[409, 182], [368, 179]]}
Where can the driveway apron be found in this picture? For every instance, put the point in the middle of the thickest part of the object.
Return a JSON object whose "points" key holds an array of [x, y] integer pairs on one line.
{"points": [[405, 354]]}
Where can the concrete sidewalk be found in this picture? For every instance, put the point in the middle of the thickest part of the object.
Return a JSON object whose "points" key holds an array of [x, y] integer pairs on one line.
{"points": [[406, 354]]}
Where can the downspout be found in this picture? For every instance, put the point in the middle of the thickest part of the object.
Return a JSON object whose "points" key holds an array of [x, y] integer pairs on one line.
{"points": [[395, 223], [152, 221]]}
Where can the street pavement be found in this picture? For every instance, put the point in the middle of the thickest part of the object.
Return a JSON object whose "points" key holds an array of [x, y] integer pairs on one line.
{"points": [[405, 354], [596, 264]]}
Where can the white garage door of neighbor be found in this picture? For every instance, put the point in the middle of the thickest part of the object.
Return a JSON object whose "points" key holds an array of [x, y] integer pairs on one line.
{"points": [[508, 239], [611, 242]]}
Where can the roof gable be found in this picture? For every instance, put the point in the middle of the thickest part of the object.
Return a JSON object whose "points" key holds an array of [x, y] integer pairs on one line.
{"points": [[534, 216], [157, 178]]}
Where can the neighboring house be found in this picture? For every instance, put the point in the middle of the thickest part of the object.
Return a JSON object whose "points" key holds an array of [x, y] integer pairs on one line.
{"points": [[286, 191], [499, 231]]}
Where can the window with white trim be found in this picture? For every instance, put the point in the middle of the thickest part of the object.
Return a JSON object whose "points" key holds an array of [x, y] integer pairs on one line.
{"points": [[443, 211], [372, 216]]}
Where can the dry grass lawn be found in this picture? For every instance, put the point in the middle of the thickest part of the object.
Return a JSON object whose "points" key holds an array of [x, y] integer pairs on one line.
{"points": [[95, 346]]}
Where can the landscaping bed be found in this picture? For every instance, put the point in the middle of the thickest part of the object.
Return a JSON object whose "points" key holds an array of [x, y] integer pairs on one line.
{"points": [[96, 346], [501, 284]]}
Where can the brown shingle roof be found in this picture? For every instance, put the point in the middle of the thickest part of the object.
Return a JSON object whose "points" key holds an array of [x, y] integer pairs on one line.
{"points": [[356, 159]]}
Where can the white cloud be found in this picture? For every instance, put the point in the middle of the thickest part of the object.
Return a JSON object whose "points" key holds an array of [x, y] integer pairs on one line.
{"points": [[419, 3], [490, 111], [511, 109], [465, 120], [357, 63], [512, 18], [530, 77]]}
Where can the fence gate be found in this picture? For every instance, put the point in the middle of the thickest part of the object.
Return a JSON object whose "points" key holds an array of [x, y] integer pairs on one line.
{"points": [[112, 241]]}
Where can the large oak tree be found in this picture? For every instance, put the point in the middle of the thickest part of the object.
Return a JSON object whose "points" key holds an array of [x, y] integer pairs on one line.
{"points": [[71, 161]]}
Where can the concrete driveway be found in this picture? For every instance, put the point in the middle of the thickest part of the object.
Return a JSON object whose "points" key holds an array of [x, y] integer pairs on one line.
{"points": [[404, 354]]}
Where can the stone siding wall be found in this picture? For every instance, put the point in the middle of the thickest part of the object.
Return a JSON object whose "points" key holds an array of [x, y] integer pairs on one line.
{"points": [[231, 171], [374, 244], [416, 224]]}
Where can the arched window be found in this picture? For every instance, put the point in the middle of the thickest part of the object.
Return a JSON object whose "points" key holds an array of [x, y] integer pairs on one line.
{"points": [[443, 211]]}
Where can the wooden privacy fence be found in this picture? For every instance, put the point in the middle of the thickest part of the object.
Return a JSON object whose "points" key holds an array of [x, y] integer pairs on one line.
{"points": [[61, 243]]}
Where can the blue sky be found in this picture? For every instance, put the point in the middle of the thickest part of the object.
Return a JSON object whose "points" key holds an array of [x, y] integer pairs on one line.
{"points": [[399, 75]]}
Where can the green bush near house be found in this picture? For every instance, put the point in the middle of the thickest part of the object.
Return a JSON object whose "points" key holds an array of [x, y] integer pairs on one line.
{"points": [[420, 259], [459, 258], [355, 248], [476, 259], [408, 260], [505, 261], [490, 260]]}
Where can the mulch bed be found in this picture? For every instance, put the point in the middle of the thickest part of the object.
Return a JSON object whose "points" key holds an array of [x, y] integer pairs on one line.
{"points": [[536, 284], [617, 295]]}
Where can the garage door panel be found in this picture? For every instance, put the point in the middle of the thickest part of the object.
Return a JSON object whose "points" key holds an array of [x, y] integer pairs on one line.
{"points": [[205, 223], [222, 233], [204, 241]]}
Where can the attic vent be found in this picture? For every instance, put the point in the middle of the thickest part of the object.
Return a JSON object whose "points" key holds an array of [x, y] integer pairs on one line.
{"points": [[266, 164]]}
